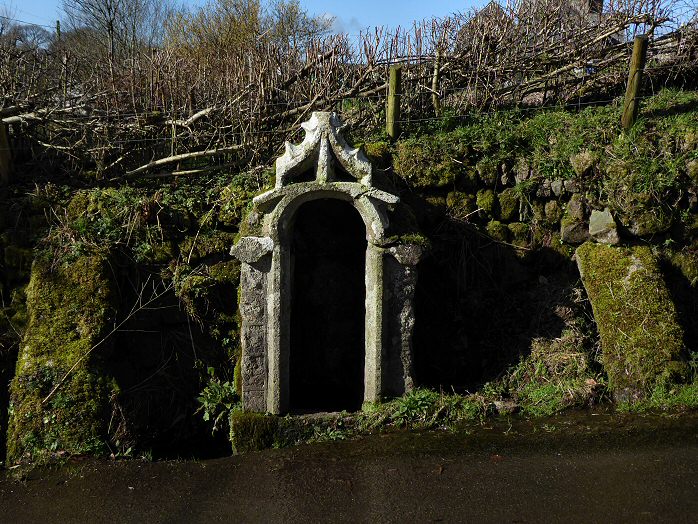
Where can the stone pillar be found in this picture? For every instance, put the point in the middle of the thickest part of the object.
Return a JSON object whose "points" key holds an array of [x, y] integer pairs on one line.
{"points": [[254, 253], [400, 282], [278, 303], [373, 389]]}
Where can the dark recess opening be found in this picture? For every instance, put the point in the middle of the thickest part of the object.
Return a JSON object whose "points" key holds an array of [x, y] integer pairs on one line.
{"points": [[159, 362], [327, 307]]}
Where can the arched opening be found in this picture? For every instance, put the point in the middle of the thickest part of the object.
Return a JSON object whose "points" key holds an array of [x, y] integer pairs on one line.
{"points": [[326, 364]]}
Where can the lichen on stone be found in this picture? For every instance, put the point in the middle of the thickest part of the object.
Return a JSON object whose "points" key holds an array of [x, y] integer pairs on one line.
{"points": [[583, 161]]}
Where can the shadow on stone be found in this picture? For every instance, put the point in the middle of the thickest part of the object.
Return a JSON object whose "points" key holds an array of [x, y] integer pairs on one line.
{"points": [[480, 303], [685, 298]]}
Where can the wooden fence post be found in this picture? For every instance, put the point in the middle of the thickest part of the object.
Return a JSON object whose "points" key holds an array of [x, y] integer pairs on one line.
{"points": [[631, 104], [392, 116], [435, 84], [5, 156]]}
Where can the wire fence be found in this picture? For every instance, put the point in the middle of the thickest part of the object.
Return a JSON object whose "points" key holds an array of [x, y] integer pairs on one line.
{"points": [[77, 101]]}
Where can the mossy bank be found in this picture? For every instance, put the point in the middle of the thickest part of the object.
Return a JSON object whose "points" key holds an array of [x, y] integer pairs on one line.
{"points": [[120, 331]]}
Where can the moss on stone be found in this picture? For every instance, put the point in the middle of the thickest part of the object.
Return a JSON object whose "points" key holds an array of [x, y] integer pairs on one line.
{"points": [[692, 170], [498, 231], [225, 272], [197, 247], [520, 233], [487, 201], [156, 252], [690, 226], [253, 431], [553, 212], [509, 205], [574, 228], [557, 245], [234, 200], [378, 153], [583, 161], [436, 202], [487, 171], [538, 210], [641, 338], [644, 222], [460, 205], [685, 261], [70, 309], [250, 225], [430, 161]]}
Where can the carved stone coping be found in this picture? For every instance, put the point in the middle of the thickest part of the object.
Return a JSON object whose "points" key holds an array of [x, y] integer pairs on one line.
{"points": [[325, 151]]}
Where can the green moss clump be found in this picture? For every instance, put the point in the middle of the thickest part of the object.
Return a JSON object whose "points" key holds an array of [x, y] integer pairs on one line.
{"points": [[378, 153], [59, 396], [195, 248], [487, 201], [78, 205], [509, 205], [460, 205], [641, 338], [252, 431], [487, 171], [520, 233], [237, 376], [665, 397], [228, 272], [431, 161], [498, 231]]}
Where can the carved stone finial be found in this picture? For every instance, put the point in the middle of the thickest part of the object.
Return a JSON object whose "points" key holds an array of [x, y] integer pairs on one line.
{"points": [[324, 153]]}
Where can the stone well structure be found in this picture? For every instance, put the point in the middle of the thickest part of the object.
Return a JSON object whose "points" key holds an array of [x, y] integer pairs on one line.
{"points": [[326, 171]]}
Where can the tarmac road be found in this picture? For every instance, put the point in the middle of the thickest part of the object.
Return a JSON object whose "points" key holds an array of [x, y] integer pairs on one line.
{"points": [[583, 468]]}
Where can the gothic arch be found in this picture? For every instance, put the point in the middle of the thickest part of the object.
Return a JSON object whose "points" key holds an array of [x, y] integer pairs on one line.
{"points": [[323, 166]]}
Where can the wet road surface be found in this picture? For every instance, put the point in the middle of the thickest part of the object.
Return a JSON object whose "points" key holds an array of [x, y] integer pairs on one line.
{"points": [[579, 468]]}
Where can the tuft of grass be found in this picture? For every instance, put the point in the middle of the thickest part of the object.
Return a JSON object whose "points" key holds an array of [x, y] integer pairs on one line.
{"points": [[664, 398]]}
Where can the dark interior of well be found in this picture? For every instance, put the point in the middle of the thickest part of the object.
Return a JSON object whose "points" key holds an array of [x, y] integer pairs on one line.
{"points": [[327, 307]]}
